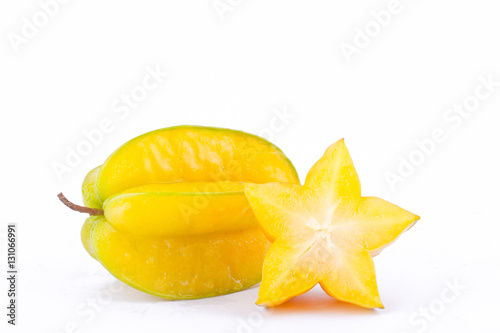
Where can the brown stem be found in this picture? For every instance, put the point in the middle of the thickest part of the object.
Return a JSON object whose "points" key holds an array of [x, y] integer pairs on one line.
{"points": [[81, 209]]}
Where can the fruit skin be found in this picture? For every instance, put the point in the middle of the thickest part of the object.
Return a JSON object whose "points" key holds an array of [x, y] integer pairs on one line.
{"points": [[206, 255], [193, 154], [324, 232], [86, 234], [181, 267], [90, 197], [180, 209]]}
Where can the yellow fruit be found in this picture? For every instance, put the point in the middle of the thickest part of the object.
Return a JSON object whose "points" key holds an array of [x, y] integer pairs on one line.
{"points": [[170, 216], [324, 232]]}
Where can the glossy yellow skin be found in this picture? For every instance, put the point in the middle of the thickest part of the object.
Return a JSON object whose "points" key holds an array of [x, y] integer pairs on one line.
{"points": [[193, 154], [176, 222], [86, 234], [90, 198], [182, 267], [324, 232], [197, 208]]}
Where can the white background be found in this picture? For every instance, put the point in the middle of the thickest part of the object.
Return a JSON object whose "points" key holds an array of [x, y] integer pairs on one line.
{"points": [[237, 71]]}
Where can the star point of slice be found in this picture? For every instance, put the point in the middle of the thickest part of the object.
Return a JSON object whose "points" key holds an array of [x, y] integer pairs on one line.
{"points": [[324, 232]]}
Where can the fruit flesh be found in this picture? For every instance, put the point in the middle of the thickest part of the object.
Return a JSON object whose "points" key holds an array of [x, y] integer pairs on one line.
{"points": [[193, 154], [324, 232], [214, 245], [182, 267], [180, 209]]}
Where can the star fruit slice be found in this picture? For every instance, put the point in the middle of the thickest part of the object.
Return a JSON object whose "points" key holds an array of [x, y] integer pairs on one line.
{"points": [[324, 232]]}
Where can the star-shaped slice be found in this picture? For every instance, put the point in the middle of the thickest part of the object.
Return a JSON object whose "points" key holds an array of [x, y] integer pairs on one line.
{"points": [[324, 232]]}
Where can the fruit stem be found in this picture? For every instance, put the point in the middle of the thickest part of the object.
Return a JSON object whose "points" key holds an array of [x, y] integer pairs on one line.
{"points": [[81, 209]]}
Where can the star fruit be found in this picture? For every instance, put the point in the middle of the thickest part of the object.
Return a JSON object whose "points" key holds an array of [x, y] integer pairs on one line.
{"points": [[324, 232], [169, 216]]}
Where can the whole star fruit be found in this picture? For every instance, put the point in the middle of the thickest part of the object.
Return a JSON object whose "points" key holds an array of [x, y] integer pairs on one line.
{"points": [[169, 216], [324, 232]]}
